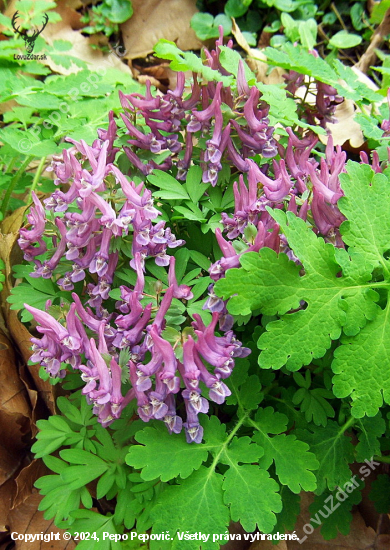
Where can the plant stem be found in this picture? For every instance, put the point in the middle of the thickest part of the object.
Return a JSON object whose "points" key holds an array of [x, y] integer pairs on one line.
{"points": [[383, 459], [11, 164], [13, 184], [336, 11], [36, 179]]}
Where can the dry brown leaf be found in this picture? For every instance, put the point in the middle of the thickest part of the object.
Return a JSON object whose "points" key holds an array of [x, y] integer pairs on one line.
{"points": [[257, 60], [13, 222], [11, 254], [25, 518], [7, 494], [9, 463], [82, 49], [26, 479], [15, 411], [155, 19], [346, 128], [69, 16], [382, 542], [161, 75], [45, 390], [360, 537], [268, 545]]}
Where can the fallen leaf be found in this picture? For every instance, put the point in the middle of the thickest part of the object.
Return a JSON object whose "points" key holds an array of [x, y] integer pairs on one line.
{"points": [[257, 61], [7, 494], [26, 518], [9, 463], [346, 128], [69, 16], [360, 537], [155, 19], [268, 545], [10, 252], [26, 479], [15, 411], [161, 75]]}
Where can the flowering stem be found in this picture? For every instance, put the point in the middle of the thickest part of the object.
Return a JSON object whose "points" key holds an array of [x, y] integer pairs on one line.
{"points": [[36, 178], [13, 184]]}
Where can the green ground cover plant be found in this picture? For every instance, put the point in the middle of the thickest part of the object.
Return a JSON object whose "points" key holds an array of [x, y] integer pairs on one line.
{"points": [[208, 282]]}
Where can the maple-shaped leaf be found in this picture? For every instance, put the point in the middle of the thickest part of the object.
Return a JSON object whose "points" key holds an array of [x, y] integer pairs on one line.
{"points": [[361, 367], [252, 496], [207, 492], [360, 364], [367, 229], [293, 459], [195, 505], [175, 456], [297, 58], [334, 451], [274, 285], [370, 430]]}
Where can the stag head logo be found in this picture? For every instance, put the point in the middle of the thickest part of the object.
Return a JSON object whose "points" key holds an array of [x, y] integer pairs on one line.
{"points": [[28, 40]]}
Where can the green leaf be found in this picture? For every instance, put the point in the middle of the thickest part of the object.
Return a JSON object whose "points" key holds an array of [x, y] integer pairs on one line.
{"points": [[188, 61], [314, 404], [292, 458], [79, 476], [195, 188], [117, 11], [176, 457], [206, 26], [283, 109], [370, 430], [343, 500], [297, 58], [380, 493], [78, 456], [274, 285], [200, 259], [345, 39], [378, 11], [237, 8], [55, 464], [364, 191], [287, 518], [230, 60], [60, 499], [195, 505], [334, 451], [369, 126], [25, 293], [308, 33], [172, 189], [96, 524], [249, 394], [252, 496], [62, 46]]}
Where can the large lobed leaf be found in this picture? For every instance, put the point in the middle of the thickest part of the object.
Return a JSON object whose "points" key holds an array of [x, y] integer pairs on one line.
{"points": [[334, 296]]}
